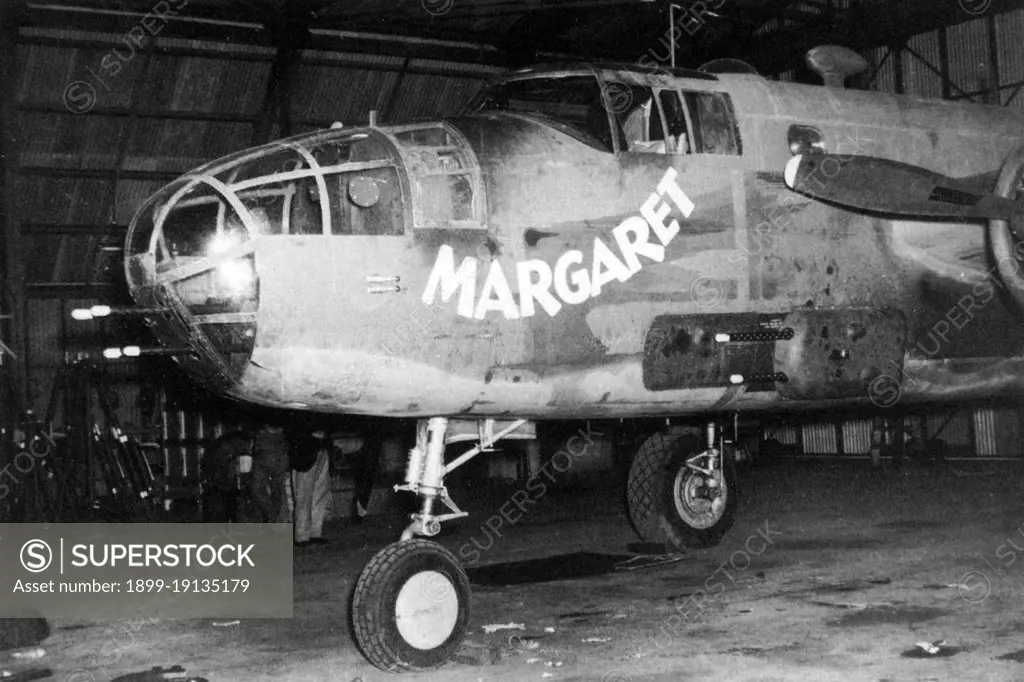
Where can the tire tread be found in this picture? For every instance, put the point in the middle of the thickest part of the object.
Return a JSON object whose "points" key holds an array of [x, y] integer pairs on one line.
{"points": [[644, 486], [369, 592]]}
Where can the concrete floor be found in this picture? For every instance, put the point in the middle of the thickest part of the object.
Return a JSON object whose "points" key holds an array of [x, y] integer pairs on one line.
{"points": [[861, 566]]}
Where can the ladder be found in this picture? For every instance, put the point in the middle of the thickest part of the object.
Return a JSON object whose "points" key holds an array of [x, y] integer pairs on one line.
{"points": [[96, 454]]}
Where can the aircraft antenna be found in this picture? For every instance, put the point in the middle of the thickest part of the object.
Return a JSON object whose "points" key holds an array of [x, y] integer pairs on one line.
{"points": [[672, 7]]}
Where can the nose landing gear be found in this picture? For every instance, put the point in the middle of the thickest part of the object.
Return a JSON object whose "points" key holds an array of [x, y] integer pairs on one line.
{"points": [[411, 606]]}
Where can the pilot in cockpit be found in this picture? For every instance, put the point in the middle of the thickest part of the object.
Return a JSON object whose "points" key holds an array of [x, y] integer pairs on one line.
{"points": [[643, 131], [637, 129], [675, 122]]}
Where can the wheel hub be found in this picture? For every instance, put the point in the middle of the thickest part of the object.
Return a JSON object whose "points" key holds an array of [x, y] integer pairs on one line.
{"points": [[427, 610], [699, 500]]}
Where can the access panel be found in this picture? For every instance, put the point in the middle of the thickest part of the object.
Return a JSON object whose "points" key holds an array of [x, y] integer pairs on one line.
{"points": [[837, 353], [700, 351]]}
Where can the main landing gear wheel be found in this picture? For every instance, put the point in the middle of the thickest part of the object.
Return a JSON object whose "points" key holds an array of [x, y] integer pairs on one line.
{"points": [[411, 606], [679, 494]]}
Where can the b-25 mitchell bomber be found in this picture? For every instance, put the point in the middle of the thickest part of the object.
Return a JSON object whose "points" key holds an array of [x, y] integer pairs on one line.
{"points": [[595, 241]]}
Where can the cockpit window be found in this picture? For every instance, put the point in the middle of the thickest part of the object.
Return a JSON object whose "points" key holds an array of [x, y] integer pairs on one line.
{"points": [[640, 118], [678, 141], [268, 206], [186, 230], [366, 203], [714, 123], [677, 123], [332, 152], [304, 214], [575, 102], [444, 177], [282, 161]]}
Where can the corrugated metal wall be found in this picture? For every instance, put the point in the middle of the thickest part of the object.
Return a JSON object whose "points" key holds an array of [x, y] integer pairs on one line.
{"points": [[787, 435], [980, 432], [969, 63], [857, 437], [185, 437], [921, 75], [1010, 36], [986, 428], [956, 428], [820, 438]]}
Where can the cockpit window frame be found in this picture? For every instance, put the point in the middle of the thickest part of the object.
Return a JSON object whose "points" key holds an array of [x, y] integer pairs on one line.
{"points": [[475, 105], [685, 97], [730, 113], [218, 180], [469, 168], [656, 81]]}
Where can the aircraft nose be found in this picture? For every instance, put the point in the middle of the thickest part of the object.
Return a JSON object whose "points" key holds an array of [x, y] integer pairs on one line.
{"points": [[192, 247], [191, 254]]}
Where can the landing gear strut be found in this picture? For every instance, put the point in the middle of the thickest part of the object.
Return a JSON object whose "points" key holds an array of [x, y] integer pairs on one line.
{"points": [[424, 476], [412, 601]]}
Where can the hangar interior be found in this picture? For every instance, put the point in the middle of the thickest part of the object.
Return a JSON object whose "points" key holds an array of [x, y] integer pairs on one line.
{"points": [[812, 562], [105, 102]]}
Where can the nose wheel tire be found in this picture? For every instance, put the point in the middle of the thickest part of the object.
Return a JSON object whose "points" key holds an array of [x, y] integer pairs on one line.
{"points": [[670, 503], [411, 606]]}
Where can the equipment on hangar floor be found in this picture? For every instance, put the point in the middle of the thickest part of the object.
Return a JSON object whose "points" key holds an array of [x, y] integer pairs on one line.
{"points": [[92, 470]]}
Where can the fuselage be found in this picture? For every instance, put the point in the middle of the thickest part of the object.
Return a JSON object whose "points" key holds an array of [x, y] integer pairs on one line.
{"points": [[533, 259]]}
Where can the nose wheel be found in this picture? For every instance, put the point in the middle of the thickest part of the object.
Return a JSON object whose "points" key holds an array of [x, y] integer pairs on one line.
{"points": [[412, 601], [411, 606]]}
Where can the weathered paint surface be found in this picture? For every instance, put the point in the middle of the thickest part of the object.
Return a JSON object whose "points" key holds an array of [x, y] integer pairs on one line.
{"points": [[326, 339]]}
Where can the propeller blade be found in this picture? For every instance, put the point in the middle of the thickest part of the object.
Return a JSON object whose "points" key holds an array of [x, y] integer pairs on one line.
{"points": [[890, 187]]}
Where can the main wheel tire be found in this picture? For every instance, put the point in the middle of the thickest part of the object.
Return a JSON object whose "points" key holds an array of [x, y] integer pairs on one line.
{"points": [[662, 493], [411, 606]]}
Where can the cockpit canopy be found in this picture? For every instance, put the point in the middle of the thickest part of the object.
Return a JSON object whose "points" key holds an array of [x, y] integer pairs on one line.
{"points": [[617, 110], [325, 184], [374, 182], [192, 247]]}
